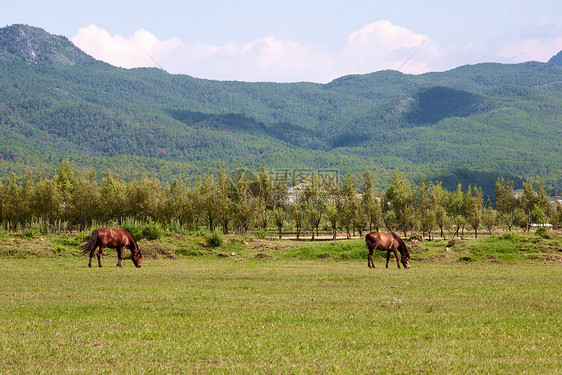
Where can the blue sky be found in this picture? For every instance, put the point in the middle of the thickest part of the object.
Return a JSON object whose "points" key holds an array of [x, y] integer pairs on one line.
{"points": [[299, 40]]}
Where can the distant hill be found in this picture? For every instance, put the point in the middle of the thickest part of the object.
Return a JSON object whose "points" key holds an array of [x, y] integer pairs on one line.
{"points": [[468, 125], [556, 59]]}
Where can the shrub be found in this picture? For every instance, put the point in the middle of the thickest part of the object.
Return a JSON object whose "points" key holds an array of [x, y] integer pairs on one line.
{"points": [[215, 239], [415, 236], [543, 232], [30, 232], [511, 236], [261, 233], [151, 230]]}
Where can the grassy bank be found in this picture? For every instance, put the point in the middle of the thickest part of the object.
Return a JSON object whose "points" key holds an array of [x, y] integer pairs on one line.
{"points": [[210, 314], [499, 248]]}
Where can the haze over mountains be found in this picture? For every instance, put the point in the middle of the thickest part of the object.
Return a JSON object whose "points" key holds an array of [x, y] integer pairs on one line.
{"points": [[467, 125]]}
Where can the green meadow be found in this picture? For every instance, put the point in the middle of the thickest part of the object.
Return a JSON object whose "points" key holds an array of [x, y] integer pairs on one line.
{"points": [[312, 308]]}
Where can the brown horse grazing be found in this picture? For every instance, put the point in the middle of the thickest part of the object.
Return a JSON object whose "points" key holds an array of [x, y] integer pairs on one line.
{"points": [[389, 242], [113, 238]]}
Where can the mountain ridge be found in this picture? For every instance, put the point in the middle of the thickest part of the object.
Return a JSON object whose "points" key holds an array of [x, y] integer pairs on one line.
{"points": [[35, 45], [56, 102]]}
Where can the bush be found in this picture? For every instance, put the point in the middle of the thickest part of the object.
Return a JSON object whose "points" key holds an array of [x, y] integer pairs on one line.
{"points": [[543, 232], [261, 233], [151, 230], [30, 233], [415, 236], [215, 239], [510, 236]]}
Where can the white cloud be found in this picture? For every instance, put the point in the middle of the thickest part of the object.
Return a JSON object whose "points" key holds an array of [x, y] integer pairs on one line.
{"points": [[382, 45], [377, 46], [532, 49], [265, 59], [134, 51]]}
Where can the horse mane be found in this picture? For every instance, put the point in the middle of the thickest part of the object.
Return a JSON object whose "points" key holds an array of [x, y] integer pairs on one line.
{"points": [[133, 241], [403, 248]]}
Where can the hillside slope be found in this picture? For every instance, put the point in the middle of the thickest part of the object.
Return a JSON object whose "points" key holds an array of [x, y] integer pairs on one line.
{"points": [[471, 124]]}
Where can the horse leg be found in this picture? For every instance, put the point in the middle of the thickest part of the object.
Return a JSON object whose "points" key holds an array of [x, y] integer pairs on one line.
{"points": [[91, 256], [396, 256], [370, 259], [99, 256], [387, 257], [119, 256], [372, 247]]}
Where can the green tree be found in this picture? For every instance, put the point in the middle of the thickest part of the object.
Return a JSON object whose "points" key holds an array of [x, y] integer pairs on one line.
{"points": [[175, 203], [12, 201], [425, 208], [262, 213], [522, 219], [210, 203], [84, 201], [371, 204], [556, 218], [279, 219], [457, 209], [537, 215], [265, 188], [280, 186], [360, 218], [439, 197], [505, 201], [314, 195], [66, 183], [223, 197], [400, 196], [196, 202], [243, 200], [17, 205], [46, 201], [297, 208], [113, 198], [542, 207], [527, 202], [489, 217], [313, 216], [473, 208], [349, 205], [333, 217], [143, 198]]}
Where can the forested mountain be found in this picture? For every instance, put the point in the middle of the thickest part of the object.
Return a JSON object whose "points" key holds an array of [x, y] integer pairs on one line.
{"points": [[557, 59], [467, 125]]}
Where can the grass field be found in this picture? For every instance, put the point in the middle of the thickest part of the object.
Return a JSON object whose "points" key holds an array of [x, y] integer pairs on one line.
{"points": [[231, 315]]}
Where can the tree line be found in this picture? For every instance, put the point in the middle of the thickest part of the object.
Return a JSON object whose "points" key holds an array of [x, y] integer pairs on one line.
{"points": [[243, 201]]}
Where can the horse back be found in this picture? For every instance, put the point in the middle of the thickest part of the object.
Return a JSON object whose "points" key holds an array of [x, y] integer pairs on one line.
{"points": [[383, 240], [114, 237]]}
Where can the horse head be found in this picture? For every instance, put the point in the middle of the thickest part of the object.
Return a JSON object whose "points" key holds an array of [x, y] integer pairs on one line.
{"points": [[136, 255], [405, 259], [137, 259]]}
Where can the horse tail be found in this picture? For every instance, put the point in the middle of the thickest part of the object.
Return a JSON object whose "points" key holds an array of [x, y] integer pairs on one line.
{"points": [[91, 244], [369, 241]]}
